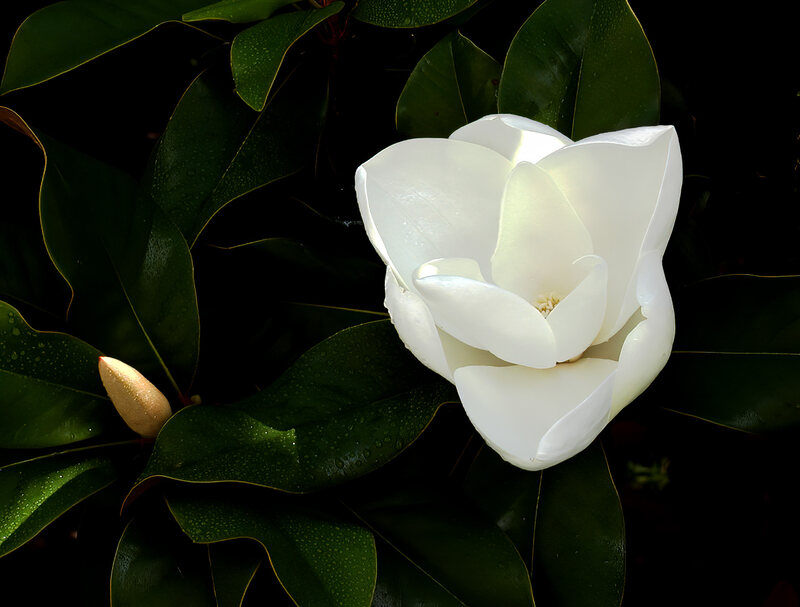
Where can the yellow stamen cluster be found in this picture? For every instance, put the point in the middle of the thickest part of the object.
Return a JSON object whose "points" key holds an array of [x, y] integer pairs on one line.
{"points": [[546, 303]]}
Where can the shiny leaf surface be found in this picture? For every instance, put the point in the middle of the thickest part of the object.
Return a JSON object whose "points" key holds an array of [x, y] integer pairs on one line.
{"points": [[64, 35], [408, 13], [319, 558], [346, 407], [257, 52], [50, 391], [237, 11], [582, 67], [216, 149], [233, 566], [34, 493], [127, 263], [453, 84]]}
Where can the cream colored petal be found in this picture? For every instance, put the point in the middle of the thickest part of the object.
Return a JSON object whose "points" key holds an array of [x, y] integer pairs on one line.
{"points": [[518, 139], [625, 187], [649, 344], [140, 404], [423, 199], [485, 316], [577, 318], [535, 418], [540, 237]]}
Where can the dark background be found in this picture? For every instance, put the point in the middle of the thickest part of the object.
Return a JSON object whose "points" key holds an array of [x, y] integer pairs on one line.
{"points": [[711, 514]]}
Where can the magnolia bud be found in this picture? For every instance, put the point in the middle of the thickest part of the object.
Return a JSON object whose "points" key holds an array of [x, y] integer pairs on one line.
{"points": [[140, 404]]}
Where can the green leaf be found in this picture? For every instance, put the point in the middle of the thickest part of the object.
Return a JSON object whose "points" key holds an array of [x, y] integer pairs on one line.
{"points": [[453, 84], [216, 149], [237, 11], [582, 67], [257, 52], [401, 582], [319, 558], [461, 551], [233, 566], [408, 13], [579, 527], [27, 274], [155, 565], [736, 363], [50, 390], [346, 407], [507, 495], [64, 35], [127, 263], [36, 492]]}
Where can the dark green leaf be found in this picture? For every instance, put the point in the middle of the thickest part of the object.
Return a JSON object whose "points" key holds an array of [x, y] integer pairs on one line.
{"points": [[579, 528], [233, 566], [34, 493], [461, 551], [508, 495], [346, 407], [453, 84], [237, 11], [319, 558], [64, 35], [157, 566], [216, 149], [50, 390], [127, 263], [408, 13], [582, 67], [736, 359], [401, 582], [27, 274], [257, 52]]}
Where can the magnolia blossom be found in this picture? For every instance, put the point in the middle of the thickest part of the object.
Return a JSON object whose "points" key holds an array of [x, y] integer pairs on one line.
{"points": [[526, 268]]}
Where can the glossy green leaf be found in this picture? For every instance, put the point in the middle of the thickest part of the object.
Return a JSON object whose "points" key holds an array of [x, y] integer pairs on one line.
{"points": [[579, 528], [346, 407], [64, 35], [408, 13], [34, 493], [50, 390], [155, 565], [257, 52], [736, 363], [237, 11], [401, 582], [453, 84], [507, 495], [582, 67], [26, 273], [460, 550], [233, 566], [127, 263], [216, 149], [319, 558]]}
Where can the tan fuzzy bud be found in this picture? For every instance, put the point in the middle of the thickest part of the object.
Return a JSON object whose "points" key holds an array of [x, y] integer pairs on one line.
{"points": [[140, 404]]}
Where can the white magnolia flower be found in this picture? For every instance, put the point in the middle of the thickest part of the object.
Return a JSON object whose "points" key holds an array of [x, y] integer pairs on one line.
{"points": [[526, 268]]}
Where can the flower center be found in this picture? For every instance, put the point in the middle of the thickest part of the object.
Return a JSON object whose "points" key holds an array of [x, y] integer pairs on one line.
{"points": [[545, 303]]}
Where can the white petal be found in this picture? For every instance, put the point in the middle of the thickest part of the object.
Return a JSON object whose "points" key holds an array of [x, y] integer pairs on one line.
{"points": [[625, 187], [540, 237], [415, 326], [647, 347], [434, 348], [426, 198], [487, 317], [518, 139], [536, 418], [577, 318]]}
